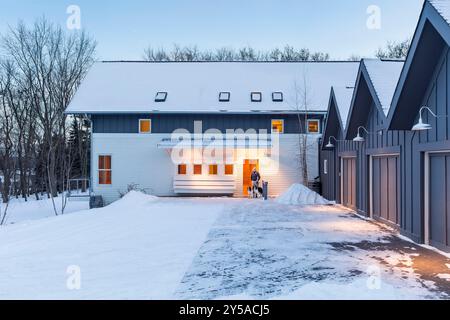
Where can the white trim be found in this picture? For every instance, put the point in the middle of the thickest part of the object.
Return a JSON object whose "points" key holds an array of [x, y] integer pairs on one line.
{"points": [[145, 119], [426, 199], [271, 125], [371, 186], [318, 126]]}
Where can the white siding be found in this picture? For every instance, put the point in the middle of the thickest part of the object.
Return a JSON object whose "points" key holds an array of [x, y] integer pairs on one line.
{"points": [[137, 160]]}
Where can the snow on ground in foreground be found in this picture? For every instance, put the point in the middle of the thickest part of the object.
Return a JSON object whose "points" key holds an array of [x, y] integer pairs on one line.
{"points": [[143, 247], [20, 210], [136, 248], [300, 195]]}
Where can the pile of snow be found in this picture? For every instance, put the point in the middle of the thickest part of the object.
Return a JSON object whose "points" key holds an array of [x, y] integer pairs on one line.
{"points": [[135, 199], [299, 195]]}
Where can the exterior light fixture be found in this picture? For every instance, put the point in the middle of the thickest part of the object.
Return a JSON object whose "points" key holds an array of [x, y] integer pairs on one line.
{"points": [[359, 138], [421, 126], [330, 145]]}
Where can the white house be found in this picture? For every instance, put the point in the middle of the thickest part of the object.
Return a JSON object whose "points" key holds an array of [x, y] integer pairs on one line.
{"points": [[198, 128]]}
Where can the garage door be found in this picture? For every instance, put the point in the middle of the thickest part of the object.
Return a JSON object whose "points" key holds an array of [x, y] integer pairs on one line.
{"points": [[439, 201], [349, 182], [386, 189]]}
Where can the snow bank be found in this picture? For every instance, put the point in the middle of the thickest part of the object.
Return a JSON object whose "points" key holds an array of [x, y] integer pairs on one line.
{"points": [[133, 199], [300, 195]]}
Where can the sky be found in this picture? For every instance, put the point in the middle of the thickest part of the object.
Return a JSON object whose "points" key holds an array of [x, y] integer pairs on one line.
{"points": [[123, 29]]}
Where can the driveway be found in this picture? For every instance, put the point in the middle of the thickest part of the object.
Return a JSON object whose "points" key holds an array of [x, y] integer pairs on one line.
{"points": [[264, 250]]}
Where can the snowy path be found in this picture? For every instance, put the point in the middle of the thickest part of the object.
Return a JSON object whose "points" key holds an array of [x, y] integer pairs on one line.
{"points": [[268, 251], [147, 248]]}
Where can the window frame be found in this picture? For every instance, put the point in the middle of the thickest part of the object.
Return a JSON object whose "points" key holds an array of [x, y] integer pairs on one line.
{"points": [[224, 93], [104, 170], [164, 93], [282, 124], [145, 119], [277, 100], [318, 126], [256, 93], [193, 169], [209, 170], [225, 170], [185, 169]]}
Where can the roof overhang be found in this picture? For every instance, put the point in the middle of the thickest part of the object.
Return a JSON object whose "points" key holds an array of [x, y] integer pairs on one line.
{"points": [[256, 143], [431, 37]]}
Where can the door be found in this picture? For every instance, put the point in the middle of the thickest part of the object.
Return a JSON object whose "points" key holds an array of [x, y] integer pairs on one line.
{"points": [[386, 189], [247, 174], [439, 201], [349, 182]]}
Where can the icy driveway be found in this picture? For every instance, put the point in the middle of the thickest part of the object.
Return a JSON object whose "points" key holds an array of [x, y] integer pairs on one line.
{"points": [[270, 251]]}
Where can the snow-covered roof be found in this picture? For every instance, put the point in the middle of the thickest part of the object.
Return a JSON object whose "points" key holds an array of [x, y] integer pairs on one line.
{"points": [[121, 87], [343, 96], [384, 76], [443, 7]]}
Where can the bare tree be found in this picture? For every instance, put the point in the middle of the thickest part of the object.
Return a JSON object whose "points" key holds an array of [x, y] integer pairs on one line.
{"points": [[394, 50]]}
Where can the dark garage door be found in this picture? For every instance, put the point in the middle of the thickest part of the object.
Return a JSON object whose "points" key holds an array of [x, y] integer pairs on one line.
{"points": [[349, 182], [385, 189], [439, 199]]}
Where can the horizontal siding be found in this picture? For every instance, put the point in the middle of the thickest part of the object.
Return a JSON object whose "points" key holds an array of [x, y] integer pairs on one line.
{"points": [[167, 123]]}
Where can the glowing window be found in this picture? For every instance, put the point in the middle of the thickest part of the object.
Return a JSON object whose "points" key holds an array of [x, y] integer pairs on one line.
{"points": [[182, 169], [104, 170], [213, 169], [229, 169], [278, 126], [313, 126], [145, 126], [197, 169]]}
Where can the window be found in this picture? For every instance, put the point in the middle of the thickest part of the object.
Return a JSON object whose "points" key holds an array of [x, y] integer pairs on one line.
{"points": [[145, 126], [161, 97], [224, 97], [313, 126], [182, 169], [277, 96], [213, 169], [325, 166], [277, 126], [229, 169], [256, 96], [197, 169], [104, 170]]}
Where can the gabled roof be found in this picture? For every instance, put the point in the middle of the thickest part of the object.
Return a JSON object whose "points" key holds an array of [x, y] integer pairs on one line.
{"points": [[194, 87], [338, 108], [376, 81], [431, 37]]}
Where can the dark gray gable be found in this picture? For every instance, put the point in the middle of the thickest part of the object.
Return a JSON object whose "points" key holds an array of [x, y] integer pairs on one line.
{"points": [[431, 37], [333, 123], [363, 96]]}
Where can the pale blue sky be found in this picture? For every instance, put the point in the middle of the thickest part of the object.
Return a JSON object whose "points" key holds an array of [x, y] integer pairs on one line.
{"points": [[124, 28]]}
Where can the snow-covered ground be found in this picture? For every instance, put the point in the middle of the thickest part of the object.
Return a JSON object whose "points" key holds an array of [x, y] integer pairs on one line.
{"points": [[143, 247], [20, 210]]}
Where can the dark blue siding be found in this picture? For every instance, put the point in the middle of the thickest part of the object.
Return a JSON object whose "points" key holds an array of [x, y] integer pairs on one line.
{"points": [[167, 123]]}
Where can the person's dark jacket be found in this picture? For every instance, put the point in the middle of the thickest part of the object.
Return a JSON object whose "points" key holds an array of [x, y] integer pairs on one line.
{"points": [[255, 176]]}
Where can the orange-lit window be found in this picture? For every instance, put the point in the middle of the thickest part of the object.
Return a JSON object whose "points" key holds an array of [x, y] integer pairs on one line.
{"points": [[145, 126], [197, 169], [213, 169], [278, 126], [104, 170], [313, 126], [229, 169], [182, 169]]}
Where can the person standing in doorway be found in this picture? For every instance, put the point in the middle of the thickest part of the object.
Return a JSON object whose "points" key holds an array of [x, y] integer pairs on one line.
{"points": [[255, 177]]}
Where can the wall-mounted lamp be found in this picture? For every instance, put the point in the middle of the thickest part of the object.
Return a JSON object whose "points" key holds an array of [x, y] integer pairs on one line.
{"points": [[359, 138], [421, 126], [330, 145]]}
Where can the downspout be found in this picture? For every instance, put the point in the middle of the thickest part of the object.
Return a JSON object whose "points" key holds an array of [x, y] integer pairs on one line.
{"points": [[91, 134]]}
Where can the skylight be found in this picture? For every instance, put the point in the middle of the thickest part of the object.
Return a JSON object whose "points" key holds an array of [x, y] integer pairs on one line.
{"points": [[256, 96], [277, 96], [224, 97], [161, 97]]}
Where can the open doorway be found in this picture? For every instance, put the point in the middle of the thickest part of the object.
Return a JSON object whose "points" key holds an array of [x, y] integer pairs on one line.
{"points": [[247, 173]]}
